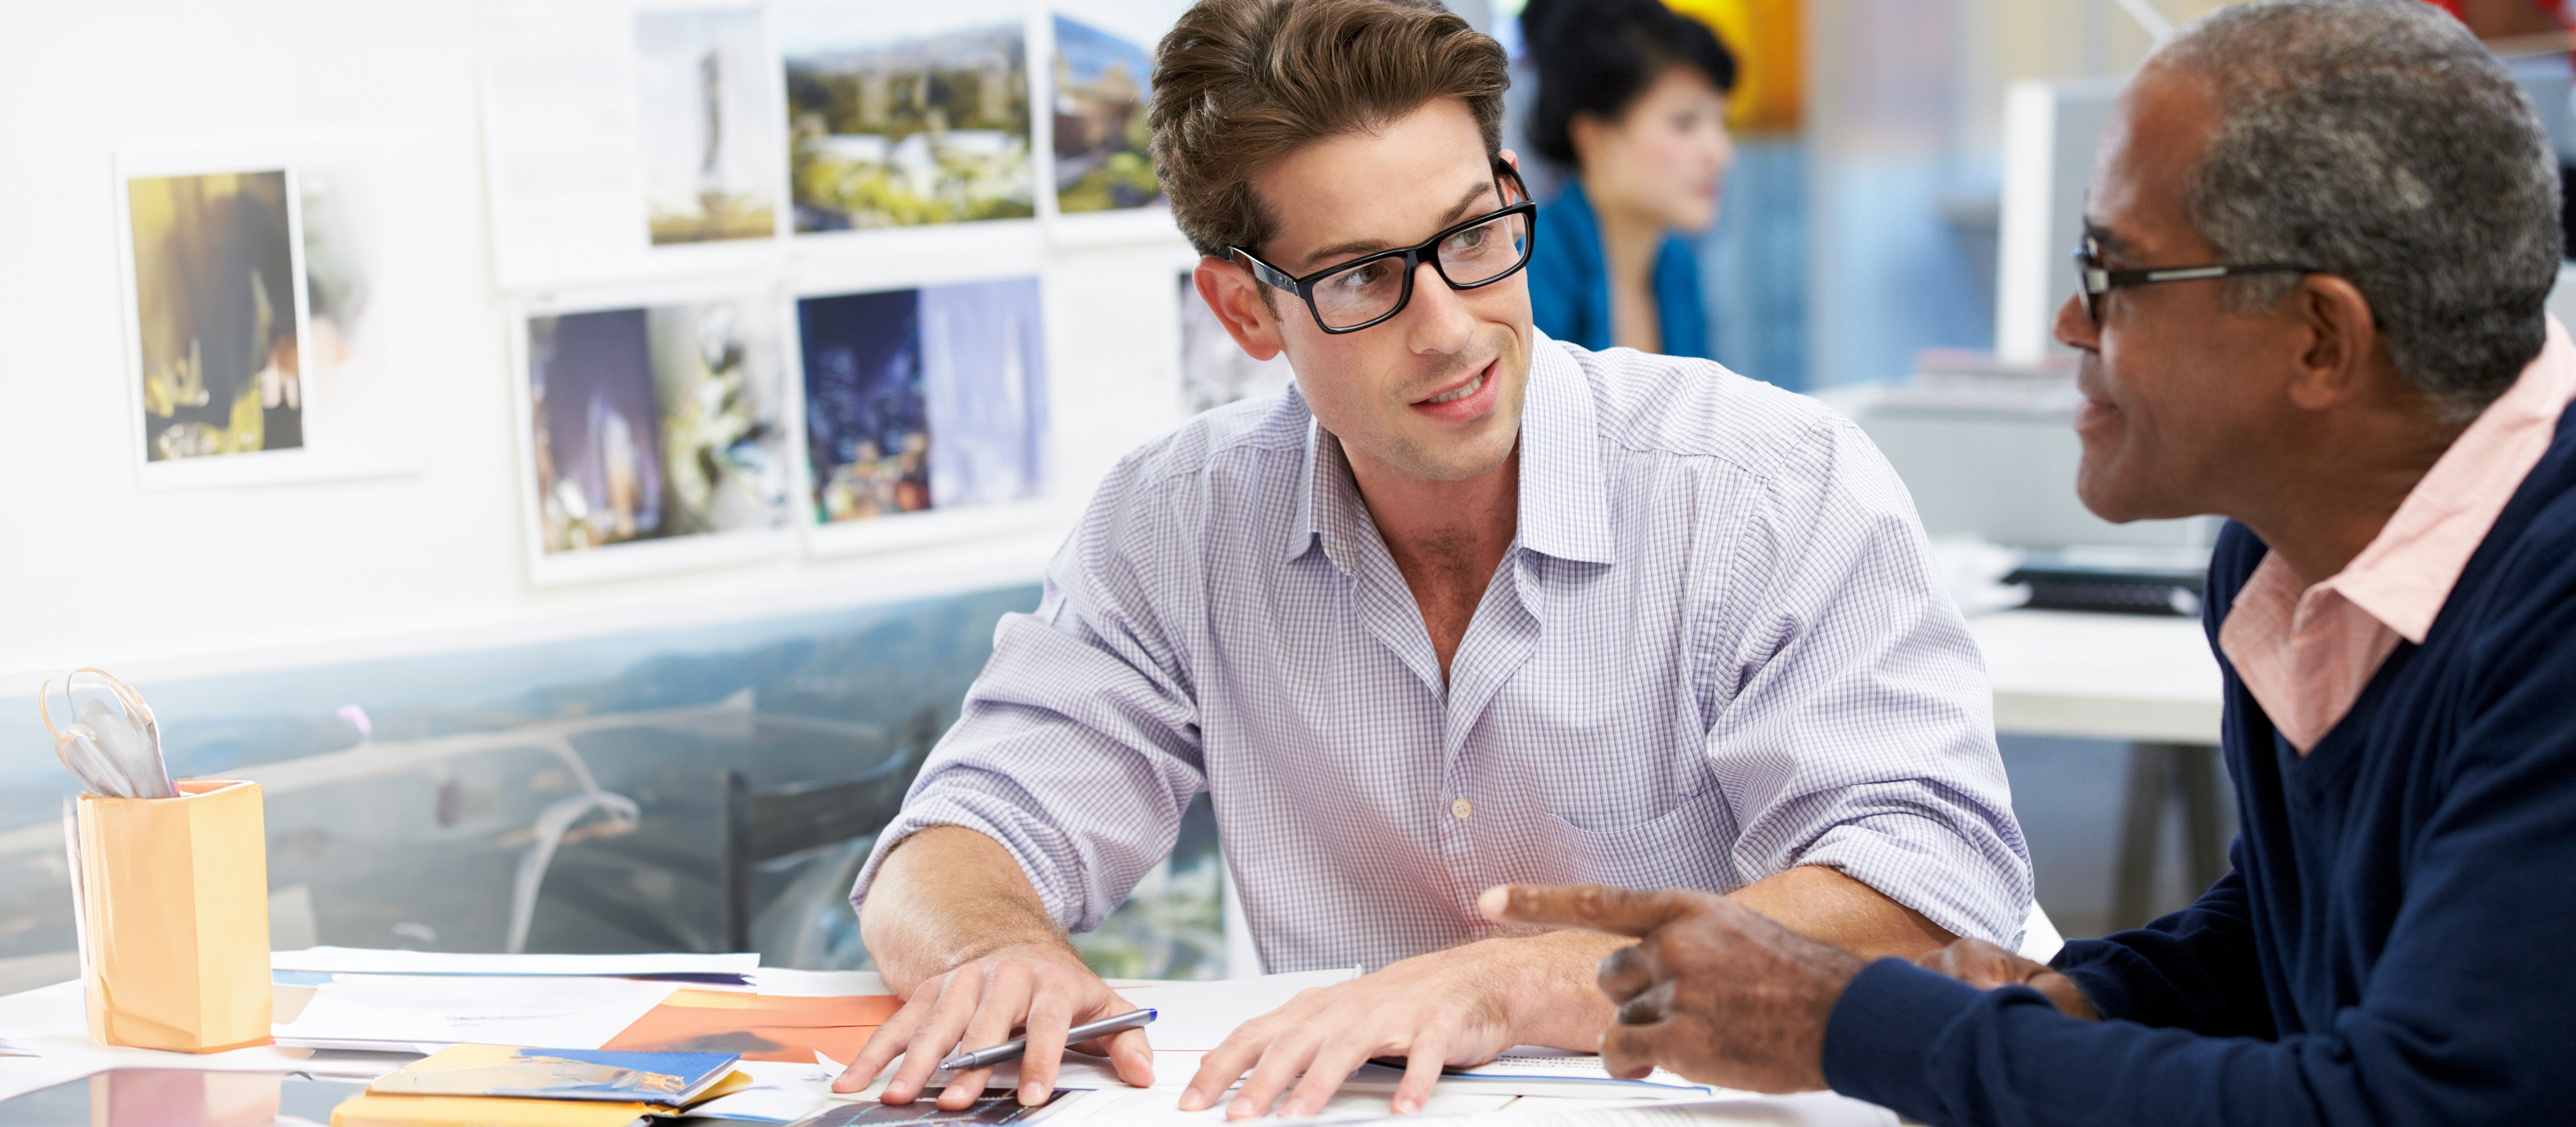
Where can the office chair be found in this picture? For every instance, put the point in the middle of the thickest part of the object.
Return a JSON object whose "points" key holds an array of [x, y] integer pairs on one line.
{"points": [[758, 825]]}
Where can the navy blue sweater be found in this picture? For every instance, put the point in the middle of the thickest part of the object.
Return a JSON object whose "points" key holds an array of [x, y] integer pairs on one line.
{"points": [[2397, 943]]}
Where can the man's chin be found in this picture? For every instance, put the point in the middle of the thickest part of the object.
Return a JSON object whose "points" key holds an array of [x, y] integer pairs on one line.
{"points": [[2119, 499]]}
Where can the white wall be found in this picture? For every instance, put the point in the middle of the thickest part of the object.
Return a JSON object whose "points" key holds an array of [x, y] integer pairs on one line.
{"points": [[95, 571]]}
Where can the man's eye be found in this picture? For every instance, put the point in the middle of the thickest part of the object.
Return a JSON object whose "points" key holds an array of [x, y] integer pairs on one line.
{"points": [[1362, 277]]}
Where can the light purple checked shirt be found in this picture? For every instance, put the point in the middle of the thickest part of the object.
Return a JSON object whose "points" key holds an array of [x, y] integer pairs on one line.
{"points": [[1717, 649]]}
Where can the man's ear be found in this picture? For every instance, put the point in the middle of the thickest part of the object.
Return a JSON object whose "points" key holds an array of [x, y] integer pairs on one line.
{"points": [[1232, 293], [2339, 353]]}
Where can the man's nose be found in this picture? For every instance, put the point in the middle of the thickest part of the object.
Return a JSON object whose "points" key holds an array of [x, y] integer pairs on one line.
{"points": [[1438, 320], [2075, 327]]}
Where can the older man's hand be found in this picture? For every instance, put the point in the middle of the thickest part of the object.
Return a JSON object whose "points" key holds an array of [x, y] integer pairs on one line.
{"points": [[1986, 967], [1714, 991]]}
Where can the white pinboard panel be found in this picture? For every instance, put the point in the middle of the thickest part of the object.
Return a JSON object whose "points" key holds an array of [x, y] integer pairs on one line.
{"points": [[2050, 132]]}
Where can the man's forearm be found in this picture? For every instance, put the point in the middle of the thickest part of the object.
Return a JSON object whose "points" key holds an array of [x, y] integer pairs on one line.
{"points": [[1824, 905], [944, 896]]}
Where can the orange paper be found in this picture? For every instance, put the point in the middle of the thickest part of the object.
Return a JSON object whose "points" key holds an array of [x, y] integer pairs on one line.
{"points": [[174, 927], [758, 1026]]}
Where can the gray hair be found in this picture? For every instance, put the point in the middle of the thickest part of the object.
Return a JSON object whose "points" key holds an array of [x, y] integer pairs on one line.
{"points": [[2376, 140]]}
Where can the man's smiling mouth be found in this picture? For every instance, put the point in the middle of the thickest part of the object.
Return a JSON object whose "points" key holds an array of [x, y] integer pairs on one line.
{"points": [[1462, 391]]}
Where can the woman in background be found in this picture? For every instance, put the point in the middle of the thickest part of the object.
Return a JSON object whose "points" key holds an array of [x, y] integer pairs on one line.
{"points": [[1632, 96]]}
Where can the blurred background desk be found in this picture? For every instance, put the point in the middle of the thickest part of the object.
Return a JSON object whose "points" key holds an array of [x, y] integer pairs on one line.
{"points": [[2148, 681]]}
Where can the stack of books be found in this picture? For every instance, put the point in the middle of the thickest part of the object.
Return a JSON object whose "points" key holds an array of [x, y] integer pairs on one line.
{"points": [[501, 1086]]}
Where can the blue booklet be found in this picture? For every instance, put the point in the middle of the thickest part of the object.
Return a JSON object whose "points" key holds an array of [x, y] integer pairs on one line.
{"points": [[660, 1079]]}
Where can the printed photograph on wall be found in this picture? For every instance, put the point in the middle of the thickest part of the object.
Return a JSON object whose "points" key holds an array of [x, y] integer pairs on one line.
{"points": [[706, 129], [217, 334], [929, 398], [658, 423], [363, 386], [867, 430], [1101, 162], [272, 310], [983, 361], [1214, 370], [900, 116]]}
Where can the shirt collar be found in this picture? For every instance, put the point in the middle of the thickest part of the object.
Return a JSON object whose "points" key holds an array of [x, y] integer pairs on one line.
{"points": [[1325, 494], [1564, 497], [2406, 573]]}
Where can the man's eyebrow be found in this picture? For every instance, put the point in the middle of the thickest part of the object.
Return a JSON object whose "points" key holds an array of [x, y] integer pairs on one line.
{"points": [[1357, 247]]}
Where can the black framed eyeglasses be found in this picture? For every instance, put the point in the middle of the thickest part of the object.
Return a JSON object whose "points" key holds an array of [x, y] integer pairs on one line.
{"points": [[2092, 280], [1354, 295]]}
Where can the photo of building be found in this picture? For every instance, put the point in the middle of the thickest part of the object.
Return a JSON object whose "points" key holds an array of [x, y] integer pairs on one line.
{"points": [[904, 120], [705, 126], [1101, 162]]}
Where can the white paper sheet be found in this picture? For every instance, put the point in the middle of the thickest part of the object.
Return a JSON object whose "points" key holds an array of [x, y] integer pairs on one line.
{"points": [[1806, 1109], [1566, 1073], [555, 1013], [362, 960], [781, 982], [566, 154], [50, 1022], [1151, 1107], [1197, 1016]]}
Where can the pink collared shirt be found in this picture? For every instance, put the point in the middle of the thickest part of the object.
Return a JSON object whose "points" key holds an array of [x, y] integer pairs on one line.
{"points": [[2306, 653]]}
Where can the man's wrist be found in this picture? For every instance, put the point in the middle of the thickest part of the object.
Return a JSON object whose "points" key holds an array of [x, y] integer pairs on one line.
{"points": [[1049, 945], [1547, 986]]}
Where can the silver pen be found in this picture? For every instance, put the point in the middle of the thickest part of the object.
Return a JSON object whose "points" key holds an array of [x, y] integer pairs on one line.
{"points": [[1016, 1047]]}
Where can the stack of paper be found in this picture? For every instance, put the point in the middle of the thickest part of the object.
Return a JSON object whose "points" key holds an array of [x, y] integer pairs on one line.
{"points": [[425, 1013], [733, 970]]}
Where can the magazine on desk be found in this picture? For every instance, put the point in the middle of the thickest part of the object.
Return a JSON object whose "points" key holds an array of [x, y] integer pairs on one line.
{"points": [[659, 1079]]}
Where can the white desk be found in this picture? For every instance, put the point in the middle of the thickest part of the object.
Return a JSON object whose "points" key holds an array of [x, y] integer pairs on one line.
{"points": [[2100, 676], [2147, 681], [49, 1020]]}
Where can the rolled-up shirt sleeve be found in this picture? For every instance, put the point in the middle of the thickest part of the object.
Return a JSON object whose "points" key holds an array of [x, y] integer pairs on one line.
{"points": [[1077, 748], [1859, 733]]}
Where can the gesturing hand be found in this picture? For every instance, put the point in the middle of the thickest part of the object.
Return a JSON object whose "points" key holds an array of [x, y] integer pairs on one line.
{"points": [[1986, 966], [1715, 992], [1042, 988]]}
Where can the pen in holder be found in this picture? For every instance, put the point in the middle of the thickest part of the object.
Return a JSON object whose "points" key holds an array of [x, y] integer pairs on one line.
{"points": [[170, 896]]}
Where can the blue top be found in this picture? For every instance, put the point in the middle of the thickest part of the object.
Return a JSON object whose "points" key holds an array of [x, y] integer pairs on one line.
{"points": [[1570, 288], [2395, 944]]}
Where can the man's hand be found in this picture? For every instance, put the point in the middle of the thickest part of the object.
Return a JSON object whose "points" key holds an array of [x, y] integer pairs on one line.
{"points": [[1715, 992], [1464, 1005], [1986, 966], [1040, 987]]}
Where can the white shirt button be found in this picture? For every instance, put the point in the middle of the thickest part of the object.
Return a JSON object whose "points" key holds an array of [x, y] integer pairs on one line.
{"points": [[1460, 808]]}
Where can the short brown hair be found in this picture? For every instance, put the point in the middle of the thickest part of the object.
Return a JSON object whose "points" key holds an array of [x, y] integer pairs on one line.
{"points": [[1241, 83]]}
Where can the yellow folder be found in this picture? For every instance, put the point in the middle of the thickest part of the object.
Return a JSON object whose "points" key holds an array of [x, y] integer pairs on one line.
{"points": [[174, 918]]}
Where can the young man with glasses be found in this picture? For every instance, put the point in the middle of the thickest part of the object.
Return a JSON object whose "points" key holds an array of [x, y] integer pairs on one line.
{"points": [[1465, 605]]}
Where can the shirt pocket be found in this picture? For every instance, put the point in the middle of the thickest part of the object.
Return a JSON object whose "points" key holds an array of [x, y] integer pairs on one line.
{"points": [[1689, 846]]}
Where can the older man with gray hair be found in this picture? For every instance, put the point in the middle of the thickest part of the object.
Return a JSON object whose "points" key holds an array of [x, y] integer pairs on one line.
{"points": [[2318, 241]]}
